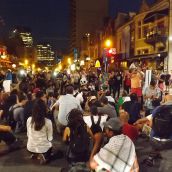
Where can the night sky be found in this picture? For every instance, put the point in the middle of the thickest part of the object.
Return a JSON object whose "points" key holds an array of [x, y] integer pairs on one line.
{"points": [[49, 19]]}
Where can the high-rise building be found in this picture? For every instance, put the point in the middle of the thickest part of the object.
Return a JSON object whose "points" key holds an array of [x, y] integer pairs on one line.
{"points": [[24, 34], [44, 54], [86, 16]]}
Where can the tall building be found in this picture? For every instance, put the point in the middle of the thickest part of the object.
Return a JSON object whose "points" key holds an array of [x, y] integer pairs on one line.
{"points": [[24, 34], [86, 17], [45, 55]]}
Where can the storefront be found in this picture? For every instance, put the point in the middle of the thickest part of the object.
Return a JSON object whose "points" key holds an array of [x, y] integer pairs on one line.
{"points": [[151, 61]]}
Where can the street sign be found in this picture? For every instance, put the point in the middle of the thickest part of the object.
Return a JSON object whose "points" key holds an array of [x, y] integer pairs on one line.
{"points": [[75, 52]]}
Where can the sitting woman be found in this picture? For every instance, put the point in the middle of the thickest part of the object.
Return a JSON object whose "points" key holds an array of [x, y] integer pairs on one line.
{"points": [[78, 135], [39, 132]]}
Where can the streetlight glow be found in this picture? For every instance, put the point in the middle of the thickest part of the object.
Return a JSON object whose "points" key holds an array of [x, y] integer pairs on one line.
{"points": [[26, 62], [69, 61], [108, 43]]}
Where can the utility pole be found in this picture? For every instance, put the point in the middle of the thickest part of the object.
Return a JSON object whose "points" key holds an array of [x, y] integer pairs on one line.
{"points": [[169, 64]]}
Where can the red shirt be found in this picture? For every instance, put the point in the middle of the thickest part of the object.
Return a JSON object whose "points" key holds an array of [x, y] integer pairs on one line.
{"points": [[130, 131]]}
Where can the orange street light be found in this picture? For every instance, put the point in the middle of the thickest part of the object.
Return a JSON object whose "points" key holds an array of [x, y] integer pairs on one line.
{"points": [[108, 43]]}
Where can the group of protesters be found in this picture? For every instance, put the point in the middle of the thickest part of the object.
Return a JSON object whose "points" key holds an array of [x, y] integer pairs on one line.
{"points": [[98, 115]]}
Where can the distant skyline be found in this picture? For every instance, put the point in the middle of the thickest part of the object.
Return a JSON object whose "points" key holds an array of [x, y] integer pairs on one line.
{"points": [[49, 19]]}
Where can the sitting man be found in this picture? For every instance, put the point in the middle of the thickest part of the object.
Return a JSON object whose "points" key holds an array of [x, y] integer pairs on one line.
{"points": [[129, 130], [148, 119], [118, 154], [107, 108], [133, 108]]}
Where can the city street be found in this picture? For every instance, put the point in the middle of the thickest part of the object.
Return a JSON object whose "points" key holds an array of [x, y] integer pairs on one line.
{"points": [[86, 86], [19, 161]]}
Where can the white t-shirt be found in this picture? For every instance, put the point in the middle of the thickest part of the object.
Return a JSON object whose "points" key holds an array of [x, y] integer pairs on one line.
{"points": [[39, 141], [66, 103], [110, 99]]}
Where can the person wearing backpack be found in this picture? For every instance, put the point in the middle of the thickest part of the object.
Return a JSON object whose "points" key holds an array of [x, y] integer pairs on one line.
{"points": [[79, 137], [161, 140], [95, 127], [77, 134]]}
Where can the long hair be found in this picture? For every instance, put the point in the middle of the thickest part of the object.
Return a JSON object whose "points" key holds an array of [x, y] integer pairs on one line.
{"points": [[75, 118], [38, 114]]}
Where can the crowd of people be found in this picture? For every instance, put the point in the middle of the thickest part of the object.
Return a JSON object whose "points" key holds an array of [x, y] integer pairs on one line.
{"points": [[98, 115]]}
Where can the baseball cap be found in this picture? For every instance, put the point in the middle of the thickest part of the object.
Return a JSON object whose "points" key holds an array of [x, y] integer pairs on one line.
{"points": [[113, 124]]}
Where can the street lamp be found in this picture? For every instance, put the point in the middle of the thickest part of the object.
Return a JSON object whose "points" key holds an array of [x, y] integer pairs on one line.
{"points": [[88, 43], [108, 43], [26, 62], [69, 61]]}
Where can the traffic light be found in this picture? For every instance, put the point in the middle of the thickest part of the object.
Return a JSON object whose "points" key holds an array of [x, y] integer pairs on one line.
{"points": [[111, 52]]}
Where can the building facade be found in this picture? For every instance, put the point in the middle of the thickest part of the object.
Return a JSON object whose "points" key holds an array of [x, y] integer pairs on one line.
{"points": [[45, 55], [86, 18], [144, 37]]}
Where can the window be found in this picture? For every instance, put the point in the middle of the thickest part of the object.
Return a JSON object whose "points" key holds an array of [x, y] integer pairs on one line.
{"points": [[139, 30], [145, 31], [139, 34], [145, 51], [120, 45], [138, 52]]}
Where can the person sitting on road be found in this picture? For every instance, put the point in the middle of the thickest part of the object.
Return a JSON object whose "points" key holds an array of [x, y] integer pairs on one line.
{"points": [[77, 128], [107, 108], [133, 108], [39, 132], [149, 119], [127, 129], [11, 141], [18, 113], [65, 104], [118, 154]]}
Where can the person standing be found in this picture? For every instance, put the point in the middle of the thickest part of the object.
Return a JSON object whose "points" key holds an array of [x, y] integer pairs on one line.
{"points": [[117, 84], [127, 81], [136, 83]]}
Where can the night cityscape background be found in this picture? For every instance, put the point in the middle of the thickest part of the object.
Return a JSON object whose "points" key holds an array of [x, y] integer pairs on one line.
{"points": [[49, 32], [49, 20]]}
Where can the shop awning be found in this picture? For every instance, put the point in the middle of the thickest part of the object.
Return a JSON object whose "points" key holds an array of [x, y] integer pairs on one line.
{"points": [[152, 16], [148, 56]]}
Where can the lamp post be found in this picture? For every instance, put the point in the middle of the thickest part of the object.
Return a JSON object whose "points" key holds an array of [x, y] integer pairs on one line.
{"points": [[169, 60], [88, 43], [108, 44]]}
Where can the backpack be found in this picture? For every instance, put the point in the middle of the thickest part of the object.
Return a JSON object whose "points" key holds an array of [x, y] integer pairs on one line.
{"points": [[10, 117], [162, 122], [95, 128], [75, 95], [79, 143]]}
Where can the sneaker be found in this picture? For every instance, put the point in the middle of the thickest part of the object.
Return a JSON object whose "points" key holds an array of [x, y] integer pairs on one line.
{"points": [[41, 159], [32, 156]]}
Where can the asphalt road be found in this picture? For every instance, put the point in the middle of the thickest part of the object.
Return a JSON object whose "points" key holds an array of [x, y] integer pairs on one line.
{"points": [[19, 160]]}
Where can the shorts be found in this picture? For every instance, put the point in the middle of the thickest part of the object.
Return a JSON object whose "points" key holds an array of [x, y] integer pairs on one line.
{"points": [[137, 91]]}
